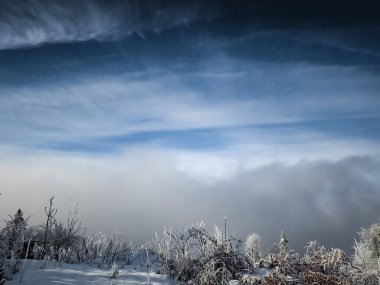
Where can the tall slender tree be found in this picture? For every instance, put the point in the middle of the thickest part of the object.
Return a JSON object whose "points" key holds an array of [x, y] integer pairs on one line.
{"points": [[50, 212]]}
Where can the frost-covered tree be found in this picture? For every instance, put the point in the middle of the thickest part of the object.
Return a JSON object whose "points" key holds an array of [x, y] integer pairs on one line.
{"points": [[15, 234], [15, 229], [50, 212], [218, 234], [253, 247], [283, 244], [164, 251]]}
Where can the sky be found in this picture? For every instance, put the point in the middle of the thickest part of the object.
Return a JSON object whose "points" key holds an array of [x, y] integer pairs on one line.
{"points": [[165, 113]]}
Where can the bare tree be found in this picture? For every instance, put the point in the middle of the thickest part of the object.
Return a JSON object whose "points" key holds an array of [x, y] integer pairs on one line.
{"points": [[64, 237], [50, 212]]}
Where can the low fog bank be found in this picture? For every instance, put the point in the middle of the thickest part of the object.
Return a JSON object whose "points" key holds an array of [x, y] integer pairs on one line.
{"points": [[139, 193]]}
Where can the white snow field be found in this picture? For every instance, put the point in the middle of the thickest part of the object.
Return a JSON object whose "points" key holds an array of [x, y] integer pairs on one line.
{"points": [[77, 274]]}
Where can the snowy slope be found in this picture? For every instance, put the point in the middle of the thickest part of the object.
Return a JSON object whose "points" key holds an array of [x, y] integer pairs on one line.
{"points": [[78, 274]]}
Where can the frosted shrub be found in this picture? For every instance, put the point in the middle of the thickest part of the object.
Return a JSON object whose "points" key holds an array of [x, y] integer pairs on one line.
{"points": [[94, 248], [114, 271], [49, 256], [220, 266], [367, 249], [195, 255], [164, 249], [37, 251], [216, 271], [2, 280], [2, 250], [113, 248]]}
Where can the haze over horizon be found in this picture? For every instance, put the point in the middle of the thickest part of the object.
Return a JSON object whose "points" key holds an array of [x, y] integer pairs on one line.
{"points": [[173, 112]]}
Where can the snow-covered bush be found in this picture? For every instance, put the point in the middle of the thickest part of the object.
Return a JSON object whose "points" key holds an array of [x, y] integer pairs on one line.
{"points": [[3, 248], [177, 250], [367, 248], [215, 249], [115, 245], [114, 271], [101, 250], [363, 255], [358, 277], [315, 256], [69, 255], [251, 280], [48, 256], [2, 277], [215, 271], [283, 264], [198, 256], [289, 265], [94, 247], [37, 251], [332, 261]]}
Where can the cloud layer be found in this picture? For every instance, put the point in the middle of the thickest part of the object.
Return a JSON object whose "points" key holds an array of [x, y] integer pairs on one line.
{"points": [[165, 109], [144, 189]]}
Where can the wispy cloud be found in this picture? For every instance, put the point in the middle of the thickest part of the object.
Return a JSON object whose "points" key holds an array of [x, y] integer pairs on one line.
{"points": [[340, 103], [34, 22]]}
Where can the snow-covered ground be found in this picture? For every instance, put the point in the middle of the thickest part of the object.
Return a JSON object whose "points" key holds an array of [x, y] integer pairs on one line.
{"points": [[78, 274]]}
